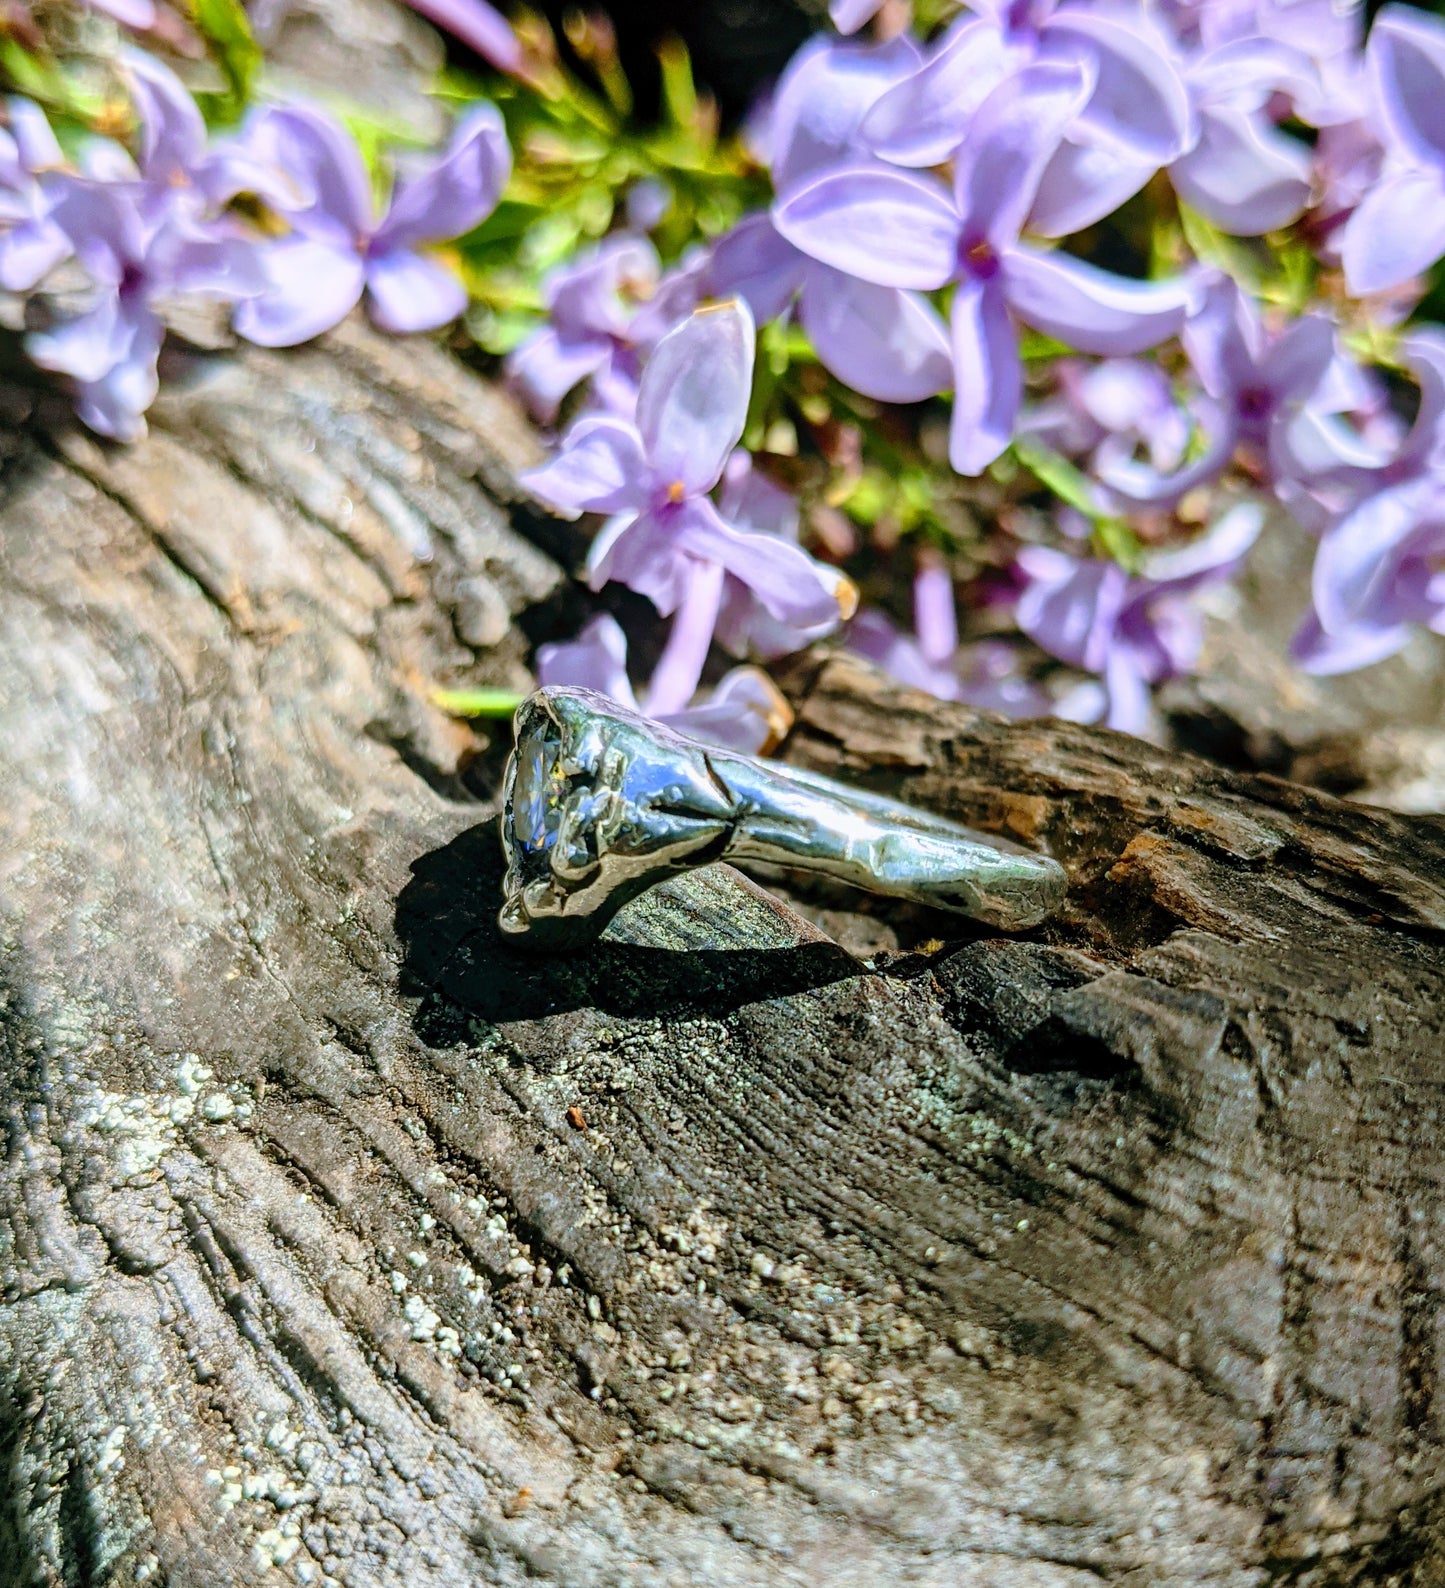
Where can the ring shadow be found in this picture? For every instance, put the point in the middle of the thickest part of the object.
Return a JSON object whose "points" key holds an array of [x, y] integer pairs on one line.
{"points": [[456, 959]]}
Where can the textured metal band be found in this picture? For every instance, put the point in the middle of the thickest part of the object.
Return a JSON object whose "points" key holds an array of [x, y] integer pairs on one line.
{"points": [[601, 804]]}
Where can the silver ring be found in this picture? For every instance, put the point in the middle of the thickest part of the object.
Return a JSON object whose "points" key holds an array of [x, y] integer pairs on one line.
{"points": [[600, 804]]}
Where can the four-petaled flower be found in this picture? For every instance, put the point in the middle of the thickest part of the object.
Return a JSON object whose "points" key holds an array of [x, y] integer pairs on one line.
{"points": [[903, 230], [337, 249], [664, 537]]}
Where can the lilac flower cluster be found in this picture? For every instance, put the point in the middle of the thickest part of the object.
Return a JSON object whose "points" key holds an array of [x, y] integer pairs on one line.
{"points": [[935, 228], [158, 222]]}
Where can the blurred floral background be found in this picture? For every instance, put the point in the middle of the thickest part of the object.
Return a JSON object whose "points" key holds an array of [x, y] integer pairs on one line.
{"points": [[1073, 358]]}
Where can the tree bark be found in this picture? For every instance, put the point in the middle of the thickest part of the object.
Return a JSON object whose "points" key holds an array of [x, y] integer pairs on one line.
{"points": [[343, 1244]]}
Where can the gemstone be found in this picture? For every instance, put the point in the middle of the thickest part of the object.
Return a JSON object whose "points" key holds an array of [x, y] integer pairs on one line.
{"points": [[538, 794]]}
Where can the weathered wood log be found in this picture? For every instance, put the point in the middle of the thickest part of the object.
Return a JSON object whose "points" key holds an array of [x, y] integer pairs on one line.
{"points": [[341, 1243]]}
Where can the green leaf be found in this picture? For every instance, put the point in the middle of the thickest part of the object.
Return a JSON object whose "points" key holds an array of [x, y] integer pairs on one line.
{"points": [[1115, 539], [1069, 484], [477, 702], [228, 30]]}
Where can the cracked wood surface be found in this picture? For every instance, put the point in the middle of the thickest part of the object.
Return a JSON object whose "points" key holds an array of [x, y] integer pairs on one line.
{"points": [[341, 1243]]}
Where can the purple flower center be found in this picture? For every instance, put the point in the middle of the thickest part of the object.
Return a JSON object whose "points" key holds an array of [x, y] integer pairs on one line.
{"points": [[978, 259], [1255, 403]]}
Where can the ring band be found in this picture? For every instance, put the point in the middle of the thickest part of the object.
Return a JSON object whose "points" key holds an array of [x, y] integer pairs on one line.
{"points": [[600, 804]]}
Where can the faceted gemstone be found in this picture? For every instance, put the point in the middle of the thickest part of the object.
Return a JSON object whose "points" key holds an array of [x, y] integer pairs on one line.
{"points": [[538, 793]]}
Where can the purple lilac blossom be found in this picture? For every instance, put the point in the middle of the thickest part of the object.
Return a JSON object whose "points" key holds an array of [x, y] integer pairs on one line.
{"points": [[31, 244], [1243, 173], [665, 538], [1398, 228], [1135, 117], [1267, 397], [750, 501], [336, 249], [1376, 570], [986, 673], [143, 233], [903, 230], [1134, 630], [744, 711], [884, 341], [592, 303]]}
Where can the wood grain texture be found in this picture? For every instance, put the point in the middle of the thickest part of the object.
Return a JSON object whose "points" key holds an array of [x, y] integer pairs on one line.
{"points": [[343, 1244]]}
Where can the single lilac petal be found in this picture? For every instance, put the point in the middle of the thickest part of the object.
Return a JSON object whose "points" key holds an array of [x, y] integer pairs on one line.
{"points": [[115, 405], [310, 286], [479, 26], [935, 615], [14, 174], [1299, 358], [746, 712], [888, 344], [613, 388], [749, 500], [1011, 140], [88, 346], [1247, 73], [1322, 653], [884, 226], [104, 160], [457, 192], [598, 291], [35, 141], [408, 292], [822, 97], [1354, 564], [599, 468], [1423, 353], [172, 133], [922, 120], [1131, 707], [1131, 394], [210, 261], [29, 251], [874, 635], [1081, 184], [103, 221], [1243, 174], [1224, 338], [648, 204], [1139, 104], [639, 550], [1314, 445], [850, 15], [988, 376], [548, 365], [1134, 483], [1070, 606], [786, 581], [1091, 309], [678, 293], [679, 668], [1396, 232], [1162, 630], [596, 659], [1219, 550], [692, 402], [137, 14], [321, 157], [756, 263], [1406, 59]]}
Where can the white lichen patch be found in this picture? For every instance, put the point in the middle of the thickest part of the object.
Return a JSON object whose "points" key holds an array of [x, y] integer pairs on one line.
{"points": [[141, 1128]]}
